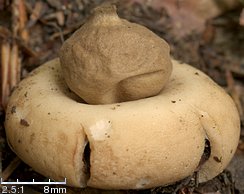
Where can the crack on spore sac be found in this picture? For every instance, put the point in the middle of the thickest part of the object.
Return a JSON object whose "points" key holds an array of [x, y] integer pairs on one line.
{"points": [[206, 154], [86, 159]]}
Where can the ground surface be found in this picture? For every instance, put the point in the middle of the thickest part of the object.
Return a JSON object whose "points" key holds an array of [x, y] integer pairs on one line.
{"points": [[217, 48]]}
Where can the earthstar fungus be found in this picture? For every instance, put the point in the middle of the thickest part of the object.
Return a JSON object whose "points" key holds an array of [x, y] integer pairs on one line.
{"points": [[147, 128]]}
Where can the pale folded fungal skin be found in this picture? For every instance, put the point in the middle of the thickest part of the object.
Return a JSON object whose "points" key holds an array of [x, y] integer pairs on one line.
{"points": [[133, 145], [111, 60]]}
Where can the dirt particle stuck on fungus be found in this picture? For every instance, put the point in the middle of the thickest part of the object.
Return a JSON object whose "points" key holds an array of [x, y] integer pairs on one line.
{"points": [[217, 159], [24, 123], [13, 110]]}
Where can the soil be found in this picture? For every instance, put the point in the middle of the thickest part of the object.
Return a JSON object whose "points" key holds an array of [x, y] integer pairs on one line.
{"points": [[218, 50]]}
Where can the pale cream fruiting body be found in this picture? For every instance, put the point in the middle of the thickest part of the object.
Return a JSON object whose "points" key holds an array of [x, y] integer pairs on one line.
{"points": [[133, 145]]}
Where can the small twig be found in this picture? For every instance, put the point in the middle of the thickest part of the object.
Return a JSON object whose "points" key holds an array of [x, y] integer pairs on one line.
{"points": [[61, 34], [15, 18], [53, 24], [5, 60], [10, 168], [59, 16], [13, 65], [60, 31], [14, 69], [23, 21], [67, 30], [36, 13]]}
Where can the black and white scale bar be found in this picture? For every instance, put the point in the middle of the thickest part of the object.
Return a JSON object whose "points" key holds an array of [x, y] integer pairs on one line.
{"points": [[17, 182]]}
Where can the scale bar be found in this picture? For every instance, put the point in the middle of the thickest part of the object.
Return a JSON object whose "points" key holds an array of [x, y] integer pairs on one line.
{"points": [[17, 182]]}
